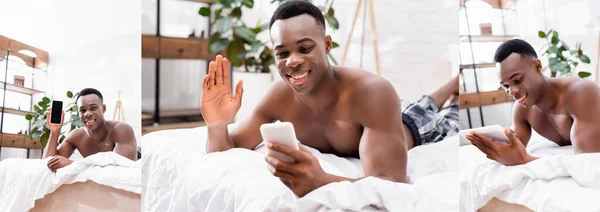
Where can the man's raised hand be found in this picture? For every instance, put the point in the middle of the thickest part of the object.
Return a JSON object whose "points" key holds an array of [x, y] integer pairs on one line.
{"points": [[218, 105]]}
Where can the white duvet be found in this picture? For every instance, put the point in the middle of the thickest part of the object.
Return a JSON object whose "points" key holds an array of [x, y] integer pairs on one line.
{"points": [[558, 181], [23, 181], [179, 176]]}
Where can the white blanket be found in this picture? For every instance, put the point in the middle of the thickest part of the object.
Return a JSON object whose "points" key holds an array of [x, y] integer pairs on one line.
{"points": [[558, 181], [23, 181], [179, 176]]}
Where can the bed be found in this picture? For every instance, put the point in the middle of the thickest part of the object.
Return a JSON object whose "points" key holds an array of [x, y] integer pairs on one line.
{"points": [[559, 181], [179, 176], [101, 182]]}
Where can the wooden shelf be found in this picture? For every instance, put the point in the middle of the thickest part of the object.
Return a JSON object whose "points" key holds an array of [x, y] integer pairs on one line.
{"points": [[19, 141], [496, 4], [146, 116], [486, 38], [20, 89], [16, 112], [483, 99], [175, 48], [3, 43], [480, 65]]}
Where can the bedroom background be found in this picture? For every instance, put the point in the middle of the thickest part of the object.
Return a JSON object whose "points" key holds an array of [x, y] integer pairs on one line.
{"points": [[93, 47]]}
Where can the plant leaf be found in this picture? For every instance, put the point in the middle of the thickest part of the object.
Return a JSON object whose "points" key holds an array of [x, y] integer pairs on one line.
{"points": [[334, 45], [236, 12], [69, 94], [28, 117], [584, 59], [246, 34], [37, 109], [46, 100], [204, 11], [541, 34], [216, 43], [555, 39], [248, 3], [224, 24], [44, 137], [332, 22], [584, 74], [233, 50]]}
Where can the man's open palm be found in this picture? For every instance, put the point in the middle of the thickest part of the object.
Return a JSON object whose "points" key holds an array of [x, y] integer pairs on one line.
{"points": [[218, 105]]}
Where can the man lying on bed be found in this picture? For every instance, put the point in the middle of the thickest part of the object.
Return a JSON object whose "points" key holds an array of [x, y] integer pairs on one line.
{"points": [[97, 135], [340, 110], [565, 110]]}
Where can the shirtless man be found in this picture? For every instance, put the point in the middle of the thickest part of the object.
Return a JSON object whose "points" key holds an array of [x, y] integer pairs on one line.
{"points": [[340, 110], [97, 135], [565, 110]]}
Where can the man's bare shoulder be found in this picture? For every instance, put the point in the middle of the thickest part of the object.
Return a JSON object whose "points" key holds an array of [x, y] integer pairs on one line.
{"points": [[580, 93], [357, 81], [119, 130], [276, 94], [76, 136], [520, 112]]}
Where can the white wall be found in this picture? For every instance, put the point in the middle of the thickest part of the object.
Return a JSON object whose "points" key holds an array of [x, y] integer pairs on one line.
{"points": [[571, 18], [417, 50], [91, 44]]}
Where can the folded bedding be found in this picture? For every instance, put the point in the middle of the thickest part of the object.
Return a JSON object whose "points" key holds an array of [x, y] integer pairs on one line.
{"points": [[23, 181], [179, 176], [558, 181]]}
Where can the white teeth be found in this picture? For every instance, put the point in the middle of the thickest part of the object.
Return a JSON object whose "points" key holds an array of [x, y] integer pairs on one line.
{"points": [[300, 76]]}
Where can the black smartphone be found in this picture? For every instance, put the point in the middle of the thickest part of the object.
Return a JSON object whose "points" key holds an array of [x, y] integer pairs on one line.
{"points": [[55, 117]]}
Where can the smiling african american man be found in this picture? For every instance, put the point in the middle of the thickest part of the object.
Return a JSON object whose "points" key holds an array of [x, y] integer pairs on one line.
{"points": [[565, 110], [97, 135]]}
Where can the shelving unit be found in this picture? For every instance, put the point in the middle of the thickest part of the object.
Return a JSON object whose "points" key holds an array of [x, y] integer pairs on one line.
{"points": [[16, 57], [159, 47], [478, 98]]}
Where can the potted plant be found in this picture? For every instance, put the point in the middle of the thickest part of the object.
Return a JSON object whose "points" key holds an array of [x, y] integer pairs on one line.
{"points": [[40, 127], [561, 59]]}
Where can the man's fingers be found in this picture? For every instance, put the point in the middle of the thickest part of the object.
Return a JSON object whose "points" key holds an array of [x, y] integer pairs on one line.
{"points": [[286, 182], [289, 151], [239, 91], [205, 82], [219, 74], [484, 140], [512, 137], [212, 67], [226, 80], [280, 165]]}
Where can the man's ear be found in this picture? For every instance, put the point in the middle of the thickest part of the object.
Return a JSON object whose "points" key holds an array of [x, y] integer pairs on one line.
{"points": [[328, 44], [538, 65], [103, 108]]}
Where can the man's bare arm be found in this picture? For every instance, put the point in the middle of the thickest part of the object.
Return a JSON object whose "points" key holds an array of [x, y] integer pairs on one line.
{"points": [[65, 149], [583, 103], [125, 142], [383, 148], [520, 124]]}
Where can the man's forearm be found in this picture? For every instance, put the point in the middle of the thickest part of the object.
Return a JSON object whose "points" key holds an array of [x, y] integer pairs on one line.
{"points": [[51, 146], [218, 139]]}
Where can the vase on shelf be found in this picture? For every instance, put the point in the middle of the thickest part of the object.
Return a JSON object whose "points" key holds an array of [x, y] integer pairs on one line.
{"points": [[19, 80]]}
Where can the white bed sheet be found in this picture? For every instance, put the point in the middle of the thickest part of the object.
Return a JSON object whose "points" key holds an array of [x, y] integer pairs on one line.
{"points": [[558, 181], [179, 176], [23, 181]]}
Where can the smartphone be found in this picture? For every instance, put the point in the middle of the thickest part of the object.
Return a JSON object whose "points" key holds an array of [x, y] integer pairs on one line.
{"points": [[280, 132], [56, 115], [494, 132]]}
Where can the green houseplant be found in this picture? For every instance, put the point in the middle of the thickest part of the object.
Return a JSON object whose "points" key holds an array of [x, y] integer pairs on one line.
{"points": [[239, 41], [40, 127], [561, 58]]}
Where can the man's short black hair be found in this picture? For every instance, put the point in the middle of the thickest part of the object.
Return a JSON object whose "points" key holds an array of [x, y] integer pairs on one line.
{"points": [[88, 91], [293, 8], [518, 46]]}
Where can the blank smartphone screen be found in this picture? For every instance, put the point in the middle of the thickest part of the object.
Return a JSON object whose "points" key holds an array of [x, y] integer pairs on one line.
{"points": [[56, 112]]}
